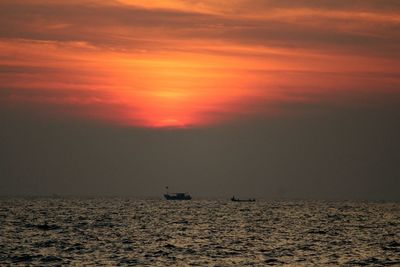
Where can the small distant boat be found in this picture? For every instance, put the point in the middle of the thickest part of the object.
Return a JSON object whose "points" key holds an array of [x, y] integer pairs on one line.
{"points": [[177, 196], [243, 200]]}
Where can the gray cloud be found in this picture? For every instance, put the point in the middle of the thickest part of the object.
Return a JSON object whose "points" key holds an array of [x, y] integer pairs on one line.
{"points": [[365, 5], [145, 28]]}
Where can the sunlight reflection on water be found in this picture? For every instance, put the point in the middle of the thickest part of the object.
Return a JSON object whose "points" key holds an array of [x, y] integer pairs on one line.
{"points": [[127, 231]]}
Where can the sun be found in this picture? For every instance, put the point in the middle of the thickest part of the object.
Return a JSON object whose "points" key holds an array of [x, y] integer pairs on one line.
{"points": [[179, 91], [170, 122]]}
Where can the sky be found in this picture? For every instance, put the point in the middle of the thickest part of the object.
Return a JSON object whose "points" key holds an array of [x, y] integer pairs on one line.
{"points": [[264, 98]]}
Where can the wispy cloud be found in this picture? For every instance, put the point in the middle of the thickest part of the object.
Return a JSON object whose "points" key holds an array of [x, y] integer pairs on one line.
{"points": [[181, 63]]}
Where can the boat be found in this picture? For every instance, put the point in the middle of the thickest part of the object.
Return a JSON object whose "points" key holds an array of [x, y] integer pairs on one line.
{"points": [[177, 196], [243, 200]]}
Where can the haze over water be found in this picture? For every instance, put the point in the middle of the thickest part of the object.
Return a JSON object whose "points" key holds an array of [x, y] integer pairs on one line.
{"points": [[153, 232]]}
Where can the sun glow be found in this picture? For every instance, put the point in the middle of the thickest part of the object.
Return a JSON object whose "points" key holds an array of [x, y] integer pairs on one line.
{"points": [[176, 91], [182, 64]]}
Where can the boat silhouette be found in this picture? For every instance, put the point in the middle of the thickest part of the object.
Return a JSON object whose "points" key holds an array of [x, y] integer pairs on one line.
{"points": [[243, 200], [176, 196]]}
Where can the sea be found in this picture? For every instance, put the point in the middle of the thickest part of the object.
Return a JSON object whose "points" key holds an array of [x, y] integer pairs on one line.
{"points": [[109, 231]]}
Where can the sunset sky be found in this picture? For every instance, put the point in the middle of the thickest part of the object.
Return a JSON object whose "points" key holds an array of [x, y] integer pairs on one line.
{"points": [[175, 63], [298, 97]]}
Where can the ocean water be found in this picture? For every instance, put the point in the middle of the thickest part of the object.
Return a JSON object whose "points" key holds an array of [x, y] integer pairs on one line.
{"points": [[127, 231]]}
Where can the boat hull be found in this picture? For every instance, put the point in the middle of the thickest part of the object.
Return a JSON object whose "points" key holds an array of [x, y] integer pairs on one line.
{"points": [[177, 197]]}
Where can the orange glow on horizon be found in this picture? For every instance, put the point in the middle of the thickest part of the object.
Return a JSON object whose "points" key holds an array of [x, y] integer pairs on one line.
{"points": [[178, 64], [175, 91]]}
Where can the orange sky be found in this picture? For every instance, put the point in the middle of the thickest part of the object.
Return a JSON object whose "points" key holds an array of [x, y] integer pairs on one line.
{"points": [[176, 63]]}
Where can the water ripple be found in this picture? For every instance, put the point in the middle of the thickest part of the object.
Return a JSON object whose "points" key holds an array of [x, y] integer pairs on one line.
{"points": [[123, 231]]}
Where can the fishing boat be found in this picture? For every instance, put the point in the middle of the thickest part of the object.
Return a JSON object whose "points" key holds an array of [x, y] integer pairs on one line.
{"points": [[176, 196], [243, 200]]}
